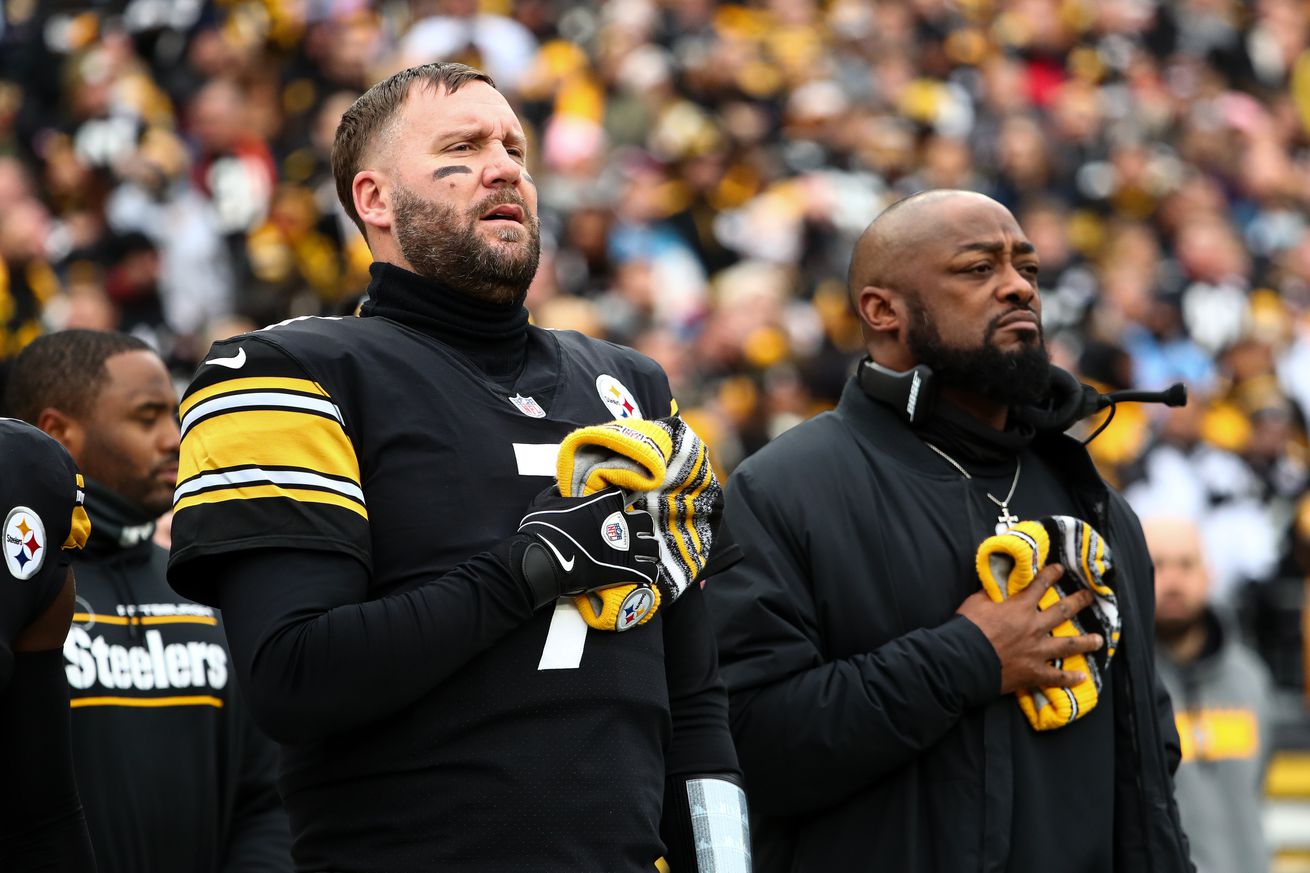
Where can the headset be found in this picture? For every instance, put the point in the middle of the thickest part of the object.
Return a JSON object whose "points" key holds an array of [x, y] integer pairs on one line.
{"points": [[913, 394]]}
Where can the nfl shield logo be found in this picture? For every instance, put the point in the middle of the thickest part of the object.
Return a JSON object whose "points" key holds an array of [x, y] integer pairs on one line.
{"points": [[615, 530], [528, 406]]}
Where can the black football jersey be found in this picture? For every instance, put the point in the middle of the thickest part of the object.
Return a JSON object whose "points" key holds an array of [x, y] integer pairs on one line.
{"points": [[363, 436]]}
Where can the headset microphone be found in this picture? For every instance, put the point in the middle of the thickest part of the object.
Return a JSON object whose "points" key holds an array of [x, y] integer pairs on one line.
{"points": [[913, 394], [1174, 395]]}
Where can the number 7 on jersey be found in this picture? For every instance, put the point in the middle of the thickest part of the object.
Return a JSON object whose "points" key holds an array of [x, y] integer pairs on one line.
{"points": [[568, 632]]}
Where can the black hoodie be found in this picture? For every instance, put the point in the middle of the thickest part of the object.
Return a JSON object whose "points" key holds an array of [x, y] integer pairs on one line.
{"points": [[173, 774]]}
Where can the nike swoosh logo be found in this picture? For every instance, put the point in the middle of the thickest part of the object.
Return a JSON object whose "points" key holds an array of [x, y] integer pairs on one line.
{"points": [[567, 565], [236, 362]]}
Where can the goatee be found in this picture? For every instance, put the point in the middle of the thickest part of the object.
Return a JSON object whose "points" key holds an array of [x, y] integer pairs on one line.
{"points": [[1018, 378], [441, 245]]}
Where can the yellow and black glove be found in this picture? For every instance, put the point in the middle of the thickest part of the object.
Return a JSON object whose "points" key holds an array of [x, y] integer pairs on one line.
{"points": [[1007, 564], [584, 543], [663, 468]]}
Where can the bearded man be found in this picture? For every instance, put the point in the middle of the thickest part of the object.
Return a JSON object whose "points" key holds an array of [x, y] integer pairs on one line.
{"points": [[871, 681], [363, 497], [1222, 695]]}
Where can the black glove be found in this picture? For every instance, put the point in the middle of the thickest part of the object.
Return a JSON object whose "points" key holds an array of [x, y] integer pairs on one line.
{"points": [[581, 544]]}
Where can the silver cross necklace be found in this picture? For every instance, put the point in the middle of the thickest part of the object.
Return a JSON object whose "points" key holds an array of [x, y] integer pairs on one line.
{"points": [[1005, 519]]}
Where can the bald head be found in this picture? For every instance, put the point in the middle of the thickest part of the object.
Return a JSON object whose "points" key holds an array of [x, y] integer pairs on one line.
{"points": [[885, 253], [1182, 580]]}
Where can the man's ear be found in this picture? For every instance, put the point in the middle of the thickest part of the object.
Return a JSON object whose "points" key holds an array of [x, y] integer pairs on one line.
{"points": [[881, 310], [372, 195], [64, 428]]}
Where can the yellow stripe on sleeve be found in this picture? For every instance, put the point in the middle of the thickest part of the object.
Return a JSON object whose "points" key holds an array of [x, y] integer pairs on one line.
{"points": [[250, 383], [268, 438], [255, 492]]}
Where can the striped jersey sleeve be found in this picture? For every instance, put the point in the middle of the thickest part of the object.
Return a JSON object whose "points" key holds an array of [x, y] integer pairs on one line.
{"points": [[266, 460]]}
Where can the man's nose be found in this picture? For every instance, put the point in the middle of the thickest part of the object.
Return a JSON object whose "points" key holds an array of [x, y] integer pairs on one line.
{"points": [[501, 169], [170, 438], [1015, 287]]}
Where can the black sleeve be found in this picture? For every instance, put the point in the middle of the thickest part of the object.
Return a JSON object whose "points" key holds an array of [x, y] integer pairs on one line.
{"points": [[1134, 678], [259, 839], [811, 730], [698, 702], [701, 744], [42, 826], [316, 657]]}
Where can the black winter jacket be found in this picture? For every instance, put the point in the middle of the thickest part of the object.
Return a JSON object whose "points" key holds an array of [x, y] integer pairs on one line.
{"points": [[858, 694]]}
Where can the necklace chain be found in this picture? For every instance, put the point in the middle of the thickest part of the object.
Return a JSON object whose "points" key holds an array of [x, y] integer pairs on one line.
{"points": [[1003, 504]]}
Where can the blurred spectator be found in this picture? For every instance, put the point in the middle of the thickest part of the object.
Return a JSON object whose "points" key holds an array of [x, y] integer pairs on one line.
{"points": [[157, 199], [456, 30], [1187, 476], [1221, 698], [27, 283]]}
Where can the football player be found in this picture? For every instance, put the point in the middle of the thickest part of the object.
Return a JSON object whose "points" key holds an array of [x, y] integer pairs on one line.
{"points": [[172, 771], [42, 826], [368, 499]]}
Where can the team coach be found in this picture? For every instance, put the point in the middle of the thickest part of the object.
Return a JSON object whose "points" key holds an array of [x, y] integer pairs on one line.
{"points": [[871, 682]]}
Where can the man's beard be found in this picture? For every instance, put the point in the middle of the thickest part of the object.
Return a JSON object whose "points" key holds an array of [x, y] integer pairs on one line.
{"points": [[1018, 378], [1171, 629], [438, 245]]}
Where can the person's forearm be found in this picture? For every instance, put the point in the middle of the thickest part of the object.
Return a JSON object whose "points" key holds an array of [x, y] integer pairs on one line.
{"points": [[316, 658], [698, 702], [701, 749], [842, 725]]}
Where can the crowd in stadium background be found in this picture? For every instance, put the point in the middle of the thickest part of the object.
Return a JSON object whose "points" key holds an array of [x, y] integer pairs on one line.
{"points": [[704, 170]]}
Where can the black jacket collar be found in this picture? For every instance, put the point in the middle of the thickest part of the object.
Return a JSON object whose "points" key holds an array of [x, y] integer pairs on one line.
{"points": [[885, 431]]}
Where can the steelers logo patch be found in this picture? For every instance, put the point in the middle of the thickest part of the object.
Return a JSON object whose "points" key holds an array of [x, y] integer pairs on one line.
{"points": [[24, 543], [634, 608], [617, 397]]}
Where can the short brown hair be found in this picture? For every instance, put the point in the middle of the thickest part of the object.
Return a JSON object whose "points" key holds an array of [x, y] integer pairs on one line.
{"points": [[374, 111], [63, 371]]}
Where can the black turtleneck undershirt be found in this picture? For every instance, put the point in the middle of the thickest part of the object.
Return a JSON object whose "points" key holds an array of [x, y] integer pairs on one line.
{"points": [[493, 337]]}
